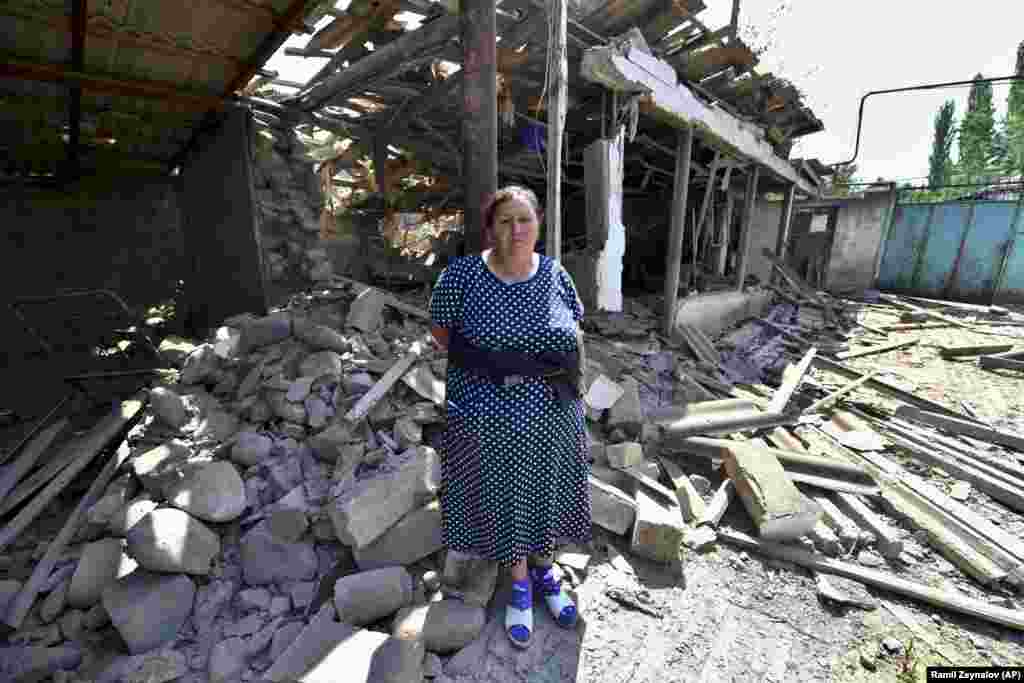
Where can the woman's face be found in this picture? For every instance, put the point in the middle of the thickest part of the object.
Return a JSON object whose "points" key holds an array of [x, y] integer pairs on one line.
{"points": [[516, 227]]}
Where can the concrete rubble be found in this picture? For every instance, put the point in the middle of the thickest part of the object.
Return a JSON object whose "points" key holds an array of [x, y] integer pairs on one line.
{"points": [[256, 534]]}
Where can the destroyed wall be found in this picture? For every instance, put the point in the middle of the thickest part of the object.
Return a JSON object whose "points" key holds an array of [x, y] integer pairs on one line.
{"points": [[860, 228], [288, 201], [118, 233], [764, 232]]}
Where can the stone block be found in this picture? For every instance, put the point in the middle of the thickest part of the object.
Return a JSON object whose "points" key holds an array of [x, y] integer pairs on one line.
{"points": [[268, 559], [368, 596], [160, 467], [623, 455], [365, 312], [101, 563], [658, 531], [416, 535], [611, 508], [264, 331], [171, 540], [777, 507], [469, 579], [627, 412], [372, 506], [444, 627], [213, 492], [149, 609]]}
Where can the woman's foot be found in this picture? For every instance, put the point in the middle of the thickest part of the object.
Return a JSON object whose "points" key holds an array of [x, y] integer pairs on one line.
{"points": [[519, 614], [561, 606]]}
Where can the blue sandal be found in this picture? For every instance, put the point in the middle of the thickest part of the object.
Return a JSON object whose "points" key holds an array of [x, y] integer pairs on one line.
{"points": [[561, 606], [519, 614]]}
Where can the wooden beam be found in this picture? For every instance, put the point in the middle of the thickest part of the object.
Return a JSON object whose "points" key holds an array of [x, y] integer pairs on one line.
{"points": [[945, 599], [558, 89], [722, 257], [698, 229], [836, 395], [749, 203], [28, 458], [270, 44], [477, 27], [365, 404], [791, 378], [385, 60], [956, 426], [784, 222], [55, 73], [680, 192], [21, 605]]}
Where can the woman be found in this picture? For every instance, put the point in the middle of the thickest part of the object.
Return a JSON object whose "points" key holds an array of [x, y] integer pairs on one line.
{"points": [[514, 469]]}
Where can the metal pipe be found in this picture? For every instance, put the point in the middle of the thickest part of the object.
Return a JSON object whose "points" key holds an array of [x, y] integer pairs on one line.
{"points": [[930, 86]]}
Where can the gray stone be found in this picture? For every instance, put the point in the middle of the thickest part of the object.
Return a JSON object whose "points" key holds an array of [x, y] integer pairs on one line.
{"points": [[254, 598], [416, 535], [357, 383], [325, 649], [299, 389], [408, 433], [611, 508], [658, 531], [200, 366], [431, 580], [284, 637], [217, 425], [122, 521], [42, 636], [149, 609], [365, 312], [16, 662], [623, 455], [285, 474], [245, 626], [96, 618], [9, 589], [267, 559], [701, 483], [845, 591], [71, 624], [153, 667], [320, 364], [368, 596], [264, 331], [279, 605], [317, 411], [54, 603], [176, 349], [397, 660], [283, 408], [327, 444], [374, 505], [171, 540], [432, 666], [251, 448], [101, 563], [321, 336], [214, 492], [159, 467], [303, 594], [227, 660], [627, 412], [470, 579], [262, 639], [168, 406], [443, 627]]}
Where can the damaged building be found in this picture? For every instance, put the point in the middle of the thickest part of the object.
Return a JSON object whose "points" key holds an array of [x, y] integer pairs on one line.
{"points": [[220, 403]]}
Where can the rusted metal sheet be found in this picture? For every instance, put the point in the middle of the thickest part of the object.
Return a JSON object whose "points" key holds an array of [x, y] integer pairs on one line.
{"points": [[955, 251]]}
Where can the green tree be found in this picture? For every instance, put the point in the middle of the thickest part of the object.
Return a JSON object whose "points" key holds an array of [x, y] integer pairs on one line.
{"points": [[976, 134], [939, 163], [1013, 126]]}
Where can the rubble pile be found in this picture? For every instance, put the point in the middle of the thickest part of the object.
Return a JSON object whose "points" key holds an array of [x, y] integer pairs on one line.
{"points": [[276, 517]]}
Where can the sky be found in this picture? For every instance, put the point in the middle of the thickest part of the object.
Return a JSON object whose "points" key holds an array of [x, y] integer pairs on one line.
{"points": [[835, 51]]}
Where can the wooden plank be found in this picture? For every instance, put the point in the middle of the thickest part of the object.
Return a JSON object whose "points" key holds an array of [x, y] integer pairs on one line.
{"points": [[21, 605], [701, 346], [674, 257], [882, 348], [825, 402], [557, 102], [690, 501], [20, 467], [997, 363], [366, 403], [791, 378], [40, 477], [720, 502], [389, 300], [834, 485], [743, 247], [918, 326], [87, 449], [717, 448], [959, 351], [956, 426]]}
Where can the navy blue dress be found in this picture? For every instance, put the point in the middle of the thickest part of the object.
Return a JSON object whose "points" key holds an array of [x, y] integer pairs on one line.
{"points": [[513, 460]]}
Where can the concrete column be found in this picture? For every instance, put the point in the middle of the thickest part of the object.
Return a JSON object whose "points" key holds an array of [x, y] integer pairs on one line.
{"points": [[479, 114], [606, 235], [743, 258], [680, 192]]}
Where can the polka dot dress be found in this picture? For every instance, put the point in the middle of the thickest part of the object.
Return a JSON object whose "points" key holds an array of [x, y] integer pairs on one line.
{"points": [[513, 460]]}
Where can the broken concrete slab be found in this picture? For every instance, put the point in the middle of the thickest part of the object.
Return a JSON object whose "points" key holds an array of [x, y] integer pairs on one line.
{"points": [[415, 536], [171, 540], [658, 530], [603, 393], [469, 579], [149, 609], [101, 564], [320, 337], [368, 596], [844, 591], [213, 492], [264, 331], [444, 627], [611, 509], [691, 503], [627, 413], [267, 559], [372, 506], [777, 507]]}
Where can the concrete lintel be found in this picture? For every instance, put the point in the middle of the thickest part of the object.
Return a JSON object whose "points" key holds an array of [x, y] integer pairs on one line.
{"points": [[678, 105]]}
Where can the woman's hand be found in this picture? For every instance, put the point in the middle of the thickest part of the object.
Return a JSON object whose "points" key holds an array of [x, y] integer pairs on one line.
{"points": [[441, 335]]}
